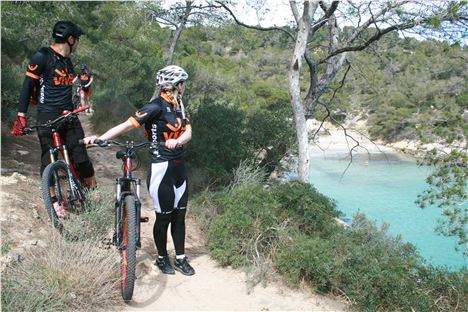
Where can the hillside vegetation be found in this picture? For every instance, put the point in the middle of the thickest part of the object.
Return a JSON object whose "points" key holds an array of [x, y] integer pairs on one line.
{"points": [[240, 109]]}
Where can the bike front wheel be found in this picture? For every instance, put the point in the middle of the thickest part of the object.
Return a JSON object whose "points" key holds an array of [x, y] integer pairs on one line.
{"points": [[128, 247], [61, 192]]}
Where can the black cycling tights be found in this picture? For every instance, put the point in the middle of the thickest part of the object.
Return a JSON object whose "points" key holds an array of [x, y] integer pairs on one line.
{"points": [[177, 221]]}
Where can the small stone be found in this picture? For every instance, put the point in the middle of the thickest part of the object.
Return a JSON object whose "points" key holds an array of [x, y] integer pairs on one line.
{"points": [[22, 153], [35, 214]]}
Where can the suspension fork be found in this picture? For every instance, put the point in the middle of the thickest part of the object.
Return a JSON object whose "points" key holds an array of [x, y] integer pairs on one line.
{"points": [[122, 190], [118, 211], [62, 148], [138, 208]]}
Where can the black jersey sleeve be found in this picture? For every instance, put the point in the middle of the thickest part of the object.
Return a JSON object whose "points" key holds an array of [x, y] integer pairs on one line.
{"points": [[146, 113], [33, 72], [36, 65]]}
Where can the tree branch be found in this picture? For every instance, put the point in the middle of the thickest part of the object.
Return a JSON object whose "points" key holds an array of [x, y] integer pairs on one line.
{"points": [[377, 35], [238, 22]]}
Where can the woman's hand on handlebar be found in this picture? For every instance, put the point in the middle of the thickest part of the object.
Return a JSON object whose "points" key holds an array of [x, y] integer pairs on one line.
{"points": [[172, 144], [90, 139]]}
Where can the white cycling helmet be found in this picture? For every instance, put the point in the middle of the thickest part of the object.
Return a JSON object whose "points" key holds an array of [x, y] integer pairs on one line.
{"points": [[170, 76]]}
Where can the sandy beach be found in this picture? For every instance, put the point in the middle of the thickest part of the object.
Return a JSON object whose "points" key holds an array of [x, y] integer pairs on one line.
{"points": [[336, 143]]}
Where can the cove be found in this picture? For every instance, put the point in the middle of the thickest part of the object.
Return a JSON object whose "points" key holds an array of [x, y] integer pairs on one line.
{"points": [[384, 189]]}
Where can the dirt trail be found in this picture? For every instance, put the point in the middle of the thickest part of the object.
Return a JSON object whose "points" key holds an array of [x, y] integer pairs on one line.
{"points": [[211, 288]]}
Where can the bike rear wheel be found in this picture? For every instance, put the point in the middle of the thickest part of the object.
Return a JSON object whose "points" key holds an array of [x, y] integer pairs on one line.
{"points": [[58, 181], [128, 247]]}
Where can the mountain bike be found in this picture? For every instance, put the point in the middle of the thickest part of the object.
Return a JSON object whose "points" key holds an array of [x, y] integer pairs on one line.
{"points": [[127, 213], [61, 186]]}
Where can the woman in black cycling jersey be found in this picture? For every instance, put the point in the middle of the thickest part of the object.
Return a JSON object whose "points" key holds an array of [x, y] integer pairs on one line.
{"points": [[165, 120]]}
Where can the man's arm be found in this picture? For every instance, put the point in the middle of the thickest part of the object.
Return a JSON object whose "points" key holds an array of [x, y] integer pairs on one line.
{"points": [[26, 93], [34, 70]]}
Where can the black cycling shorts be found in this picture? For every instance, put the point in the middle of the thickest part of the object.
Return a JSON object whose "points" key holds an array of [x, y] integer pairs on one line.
{"points": [[168, 186], [70, 133]]}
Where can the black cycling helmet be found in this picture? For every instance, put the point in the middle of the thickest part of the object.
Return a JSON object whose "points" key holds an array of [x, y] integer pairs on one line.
{"points": [[64, 29]]}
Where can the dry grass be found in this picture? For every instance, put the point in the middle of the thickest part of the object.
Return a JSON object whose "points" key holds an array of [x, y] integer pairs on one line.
{"points": [[247, 173], [65, 276]]}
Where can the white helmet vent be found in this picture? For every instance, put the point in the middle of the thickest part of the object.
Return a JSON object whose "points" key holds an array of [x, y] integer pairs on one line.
{"points": [[170, 76]]}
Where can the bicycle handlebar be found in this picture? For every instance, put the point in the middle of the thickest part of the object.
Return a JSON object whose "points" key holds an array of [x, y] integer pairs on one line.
{"points": [[65, 115], [128, 144]]}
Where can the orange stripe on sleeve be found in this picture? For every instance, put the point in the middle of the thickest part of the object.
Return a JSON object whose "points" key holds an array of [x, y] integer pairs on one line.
{"points": [[134, 122], [32, 75]]}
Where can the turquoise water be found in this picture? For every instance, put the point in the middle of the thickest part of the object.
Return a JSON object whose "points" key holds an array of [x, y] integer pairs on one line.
{"points": [[385, 191]]}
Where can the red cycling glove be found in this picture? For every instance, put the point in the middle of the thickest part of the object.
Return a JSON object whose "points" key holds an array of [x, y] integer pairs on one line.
{"points": [[18, 126]]}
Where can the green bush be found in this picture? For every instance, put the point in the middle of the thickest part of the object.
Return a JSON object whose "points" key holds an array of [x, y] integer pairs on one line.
{"points": [[310, 211], [217, 144], [250, 219], [375, 271], [11, 86], [246, 218], [305, 258], [269, 134], [292, 227]]}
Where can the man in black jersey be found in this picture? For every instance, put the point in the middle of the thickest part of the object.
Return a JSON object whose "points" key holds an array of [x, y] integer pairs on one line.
{"points": [[48, 82]]}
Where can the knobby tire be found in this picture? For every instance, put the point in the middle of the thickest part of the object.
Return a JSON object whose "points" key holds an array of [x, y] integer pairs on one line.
{"points": [[129, 247], [57, 174]]}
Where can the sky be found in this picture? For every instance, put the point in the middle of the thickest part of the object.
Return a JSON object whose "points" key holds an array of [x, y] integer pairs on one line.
{"points": [[278, 14]]}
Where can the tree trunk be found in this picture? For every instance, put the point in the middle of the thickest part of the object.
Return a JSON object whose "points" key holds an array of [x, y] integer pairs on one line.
{"points": [[180, 26], [295, 91], [175, 39]]}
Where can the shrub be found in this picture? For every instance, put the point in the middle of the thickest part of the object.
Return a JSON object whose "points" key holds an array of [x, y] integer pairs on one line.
{"points": [[305, 258], [251, 219], [291, 227], [311, 211], [270, 134], [217, 146], [11, 84], [244, 226], [375, 271]]}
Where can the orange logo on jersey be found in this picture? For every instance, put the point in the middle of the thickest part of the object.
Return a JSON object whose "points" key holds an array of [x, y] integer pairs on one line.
{"points": [[61, 72], [64, 80], [175, 127], [176, 130], [172, 135], [33, 68], [140, 115]]}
